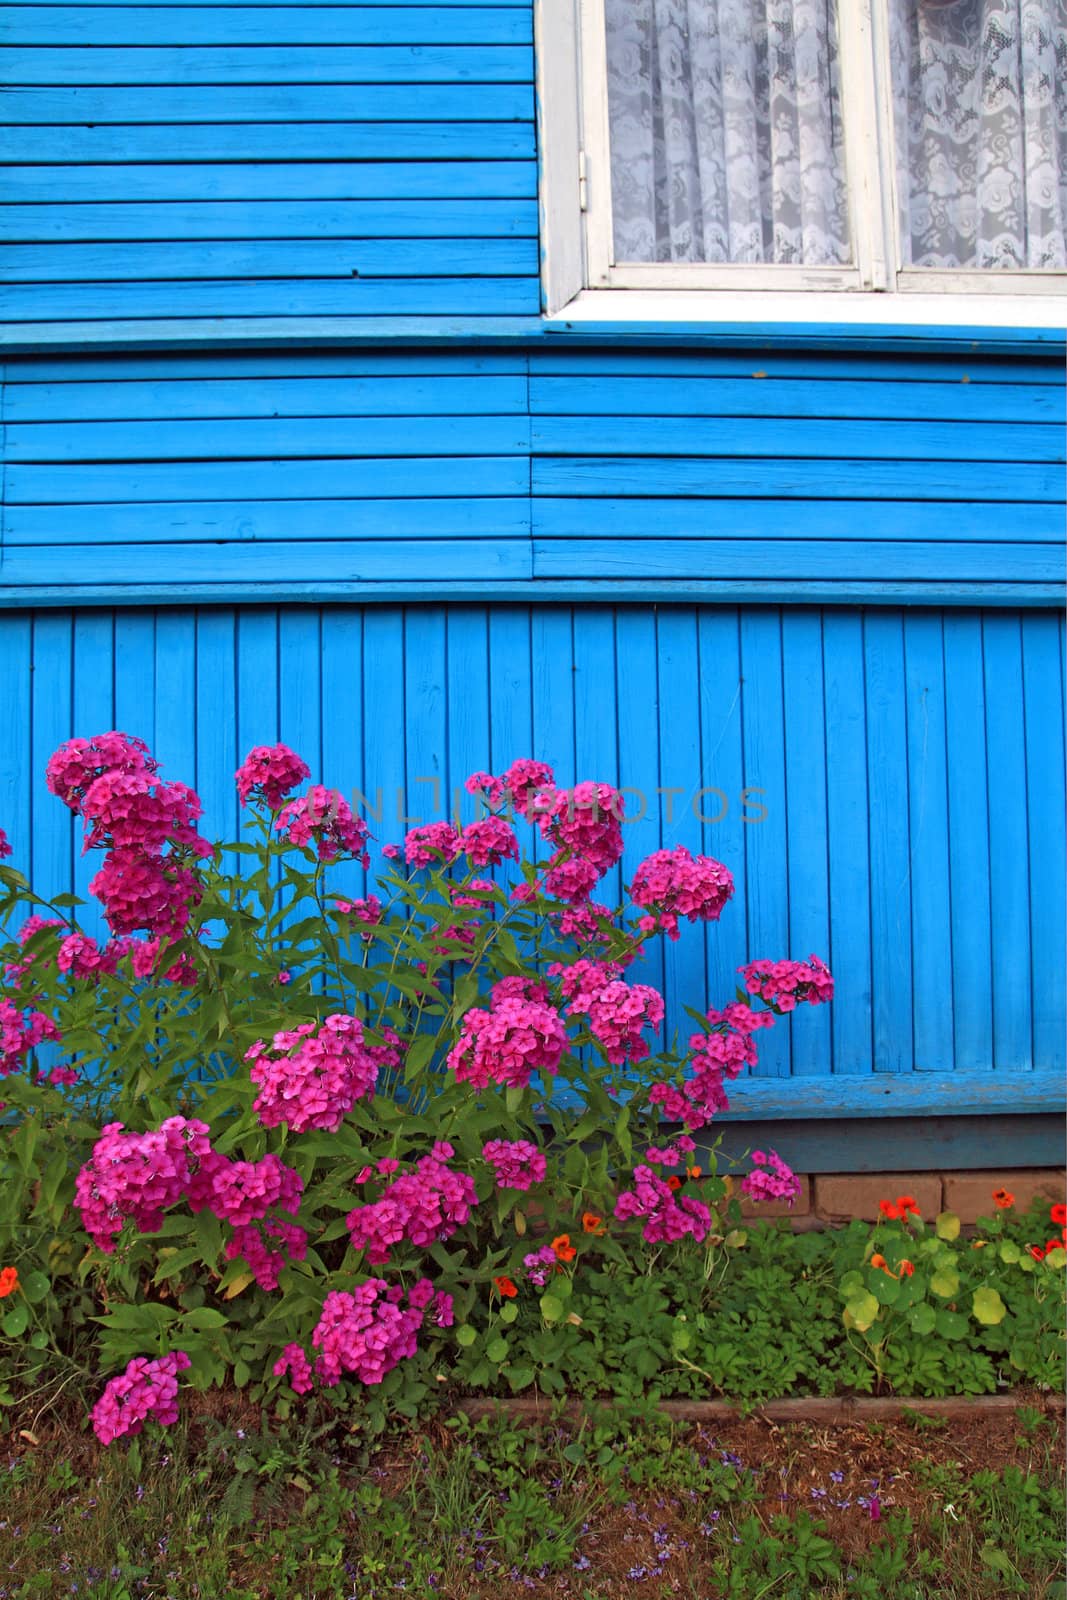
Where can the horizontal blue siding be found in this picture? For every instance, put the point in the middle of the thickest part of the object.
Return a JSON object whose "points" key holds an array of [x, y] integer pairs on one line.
{"points": [[348, 160], [903, 816], [523, 472]]}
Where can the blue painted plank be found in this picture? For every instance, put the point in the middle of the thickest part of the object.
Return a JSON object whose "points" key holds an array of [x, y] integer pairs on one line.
{"points": [[640, 704], [848, 816], [274, 258], [766, 870], [828, 558], [277, 480], [271, 219], [894, 1095], [256, 693], [726, 812], [276, 180], [800, 395], [113, 369], [425, 715], [510, 678], [1043, 705], [679, 737], [845, 480], [16, 674], [216, 747], [595, 688], [860, 437], [266, 102], [968, 840], [95, 676], [763, 359], [928, 822], [43, 302], [890, 878], [807, 825], [210, 396], [342, 722], [552, 694], [1009, 845], [176, 692], [303, 438], [304, 64], [436, 559], [383, 778], [908, 520], [52, 842], [468, 677], [62, 145], [277, 521], [102, 28]]}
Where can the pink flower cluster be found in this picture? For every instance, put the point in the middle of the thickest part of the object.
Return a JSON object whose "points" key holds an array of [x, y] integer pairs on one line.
{"points": [[778, 1182], [146, 1389], [674, 883], [473, 894], [541, 1265], [76, 765], [582, 921], [254, 1244], [368, 910], [435, 844], [143, 891], [137, 1176], [242, 1193], [488, 842], [139, 811], [323, 817], [785, 983], [516, 1162], [667, 1216], [366, 1332], [312, 1076], [585, 826], [525, 786], [423, 1206], [21, 1032], [5, 845], [508, 1043], [716, 1056], [672, 1155], [268, 773], [617, 1011]]}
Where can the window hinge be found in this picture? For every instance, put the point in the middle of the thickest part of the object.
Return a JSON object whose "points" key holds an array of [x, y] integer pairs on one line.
{"points": [[583, 184]]}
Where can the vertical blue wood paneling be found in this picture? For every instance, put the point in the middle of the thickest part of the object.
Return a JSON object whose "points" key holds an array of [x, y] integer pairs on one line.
{"points": [[911, 769]]}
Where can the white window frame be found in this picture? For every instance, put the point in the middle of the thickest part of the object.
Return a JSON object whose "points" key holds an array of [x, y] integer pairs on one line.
{"points": [[581, 283]]}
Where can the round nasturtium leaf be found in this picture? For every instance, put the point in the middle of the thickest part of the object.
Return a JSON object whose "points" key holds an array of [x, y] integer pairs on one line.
{"points": [[466, 1335], [987, 1306], [948, 1225], [863, 1309], [951, 1324], [945, 1282], [1057, 1258], [1009, 1251], [16, 1321], [497, 1350], [35, 1286], [922, 1319], [509, 1311], [551, 1308]]}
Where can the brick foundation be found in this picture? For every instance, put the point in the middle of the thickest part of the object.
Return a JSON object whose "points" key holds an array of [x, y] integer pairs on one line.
{"points": [[832, 1197]]}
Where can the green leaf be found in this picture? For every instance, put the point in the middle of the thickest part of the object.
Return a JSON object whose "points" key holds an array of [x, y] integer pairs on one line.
{"points": [[863, 1309], [1009, 1251], [497, 1350], [35, 1286], [466, 1335], [886, 1290], [509, 1312], [16, 1321], [988, 1307], [947, 1226], [945, 1282], [552, 1308], [520, 1378], [951, 1324], [922, 1319]]}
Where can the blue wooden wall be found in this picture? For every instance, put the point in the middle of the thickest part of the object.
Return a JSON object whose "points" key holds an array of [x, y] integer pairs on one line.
{"points": [[908, 822], [649, 474], [193, 161]]}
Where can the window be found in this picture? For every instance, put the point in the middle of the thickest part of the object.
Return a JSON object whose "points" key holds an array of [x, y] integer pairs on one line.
{"points": [[909, 150]]}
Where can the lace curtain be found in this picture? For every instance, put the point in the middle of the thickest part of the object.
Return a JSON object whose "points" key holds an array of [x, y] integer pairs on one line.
{"points": [[727, 143]]}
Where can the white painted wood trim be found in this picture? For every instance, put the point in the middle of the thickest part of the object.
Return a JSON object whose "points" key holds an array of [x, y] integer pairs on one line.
{"points": [[662, 306], [559, 141]]}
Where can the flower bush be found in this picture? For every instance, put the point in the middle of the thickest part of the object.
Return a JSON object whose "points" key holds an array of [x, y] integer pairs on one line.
{"points": [[303, 1141]]}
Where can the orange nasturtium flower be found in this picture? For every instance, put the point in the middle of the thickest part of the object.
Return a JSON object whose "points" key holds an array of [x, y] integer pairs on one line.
{"points": [[692, 1172], [888, 1209], [1058, 1215], [882, 1265], [565, 1251], [905, 1203], [674, 1182], [1003, 1198], [9, 1281], [591, 1223], [506, 1288], [906, 1270]]}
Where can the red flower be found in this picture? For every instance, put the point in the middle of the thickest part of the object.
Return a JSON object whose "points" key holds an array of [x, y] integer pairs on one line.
{"points": [[1003, 1198], [1058, 1215], [1053, 1244], [906, 1269], [506, 1288], [1037, 1252], [591, 1223], [9, 1281], [906, 1204], [888, 1209], [674, 1182], [565, 1251]]}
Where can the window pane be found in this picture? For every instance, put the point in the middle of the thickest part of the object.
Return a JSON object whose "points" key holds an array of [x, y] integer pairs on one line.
{"points": [[726, 137], [980, 96]]}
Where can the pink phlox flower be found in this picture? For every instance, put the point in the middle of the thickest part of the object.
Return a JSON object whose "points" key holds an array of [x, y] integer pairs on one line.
{"points": [[454, 941], [667, 1216], [432, 845], [422, 1206], [530, 786], [785, 983], [365, 1333], [518, 987], [151, 958], [63, 1076], [35, 924], [146, 1389], [491, 789], [770, 1178], [294, 1361], [312, 1076], [268, 773], [391, 852], [584, 824], [716, 1057], [5, 844], [516, 1162], [473, 894], [140, 891], [323, 817], [617, 1011], [368, 910], [541, 1265], [444, 1313], [674, 883], [139, 811], [668, 1157], [20, 1032], [76, 765], [386, 1166], [136, 1177], [82, 957], [582, 920], [240, 1192], [253, 1242], [488, 842], [508, 1043]]}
